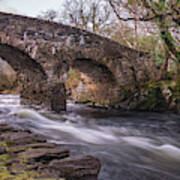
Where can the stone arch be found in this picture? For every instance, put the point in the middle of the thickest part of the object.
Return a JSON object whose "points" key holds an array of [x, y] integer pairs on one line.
{"points": [[30, 74], [90, 80], [20, 61], [94, 69]]}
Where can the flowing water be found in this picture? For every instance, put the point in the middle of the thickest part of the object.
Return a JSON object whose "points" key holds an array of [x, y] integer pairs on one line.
{"points": [[130, 145]]}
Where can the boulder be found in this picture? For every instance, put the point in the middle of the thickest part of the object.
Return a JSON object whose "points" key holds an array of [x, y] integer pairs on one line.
{"points": [[7, 75], [77, 168], [20, 137], [44, 154]]}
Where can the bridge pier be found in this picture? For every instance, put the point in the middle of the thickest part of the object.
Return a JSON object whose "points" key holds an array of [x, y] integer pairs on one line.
{"points": [[58, 98], [51, 96]]}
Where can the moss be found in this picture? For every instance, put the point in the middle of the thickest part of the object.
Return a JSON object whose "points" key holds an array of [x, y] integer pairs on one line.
{"points": [[94, 102], [14, 173], [13, 92], [74, 73], [83, 101], [4, 158], [153, 99], [3, 144], [10, 143], [73, 79], [50, 179], [5, 174]]}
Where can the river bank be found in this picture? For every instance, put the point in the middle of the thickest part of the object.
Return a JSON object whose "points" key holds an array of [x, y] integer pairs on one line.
{"points": [[24, 155], [151, 96]]}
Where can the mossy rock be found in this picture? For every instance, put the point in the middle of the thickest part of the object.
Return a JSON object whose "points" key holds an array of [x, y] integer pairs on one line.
{"points": [[153, 99]]}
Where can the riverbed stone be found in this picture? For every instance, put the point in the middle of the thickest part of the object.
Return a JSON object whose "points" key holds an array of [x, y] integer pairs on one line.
{"points": [[4, 128], [19, 138], [44, 155], [77, 168], [21, 148], [24, 155], [7, 75]]}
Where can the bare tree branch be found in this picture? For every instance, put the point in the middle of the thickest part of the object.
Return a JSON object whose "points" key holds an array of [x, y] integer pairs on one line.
{"points": [[146, 18]]}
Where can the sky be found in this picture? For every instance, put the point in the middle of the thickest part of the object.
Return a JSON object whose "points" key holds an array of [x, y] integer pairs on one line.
{"points": [[29, 7]]}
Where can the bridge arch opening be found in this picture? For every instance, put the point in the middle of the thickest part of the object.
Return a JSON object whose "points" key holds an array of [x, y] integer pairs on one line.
{"points": [[90, 81], [30, 75]]}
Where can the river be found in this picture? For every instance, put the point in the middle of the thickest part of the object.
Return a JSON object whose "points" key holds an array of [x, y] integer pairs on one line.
{"points": [[130, 145]]}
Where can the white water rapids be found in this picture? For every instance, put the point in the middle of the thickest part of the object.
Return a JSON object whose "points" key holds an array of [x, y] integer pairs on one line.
{"points": [[130, 145]]}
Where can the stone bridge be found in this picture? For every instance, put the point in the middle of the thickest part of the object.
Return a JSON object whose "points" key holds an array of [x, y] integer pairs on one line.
{"points": [[42, 52]]}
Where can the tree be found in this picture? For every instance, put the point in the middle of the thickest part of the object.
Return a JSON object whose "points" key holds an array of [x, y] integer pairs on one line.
{"points": [[49, 15], [164, 14], [92, 15]]}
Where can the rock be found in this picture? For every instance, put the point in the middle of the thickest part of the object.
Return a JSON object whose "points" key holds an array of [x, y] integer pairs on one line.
{"points": [[20, 138], [44, 155], [18, 149], [29, 156], [4, 128], [7, 75], [77, 168], [2, 150]]}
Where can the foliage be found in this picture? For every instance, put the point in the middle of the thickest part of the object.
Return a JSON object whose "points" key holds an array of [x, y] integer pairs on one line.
{"points": [[163, 14], [151, 43]]}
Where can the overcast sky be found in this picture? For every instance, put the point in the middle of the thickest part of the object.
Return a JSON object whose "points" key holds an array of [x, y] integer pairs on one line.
{"points": [[29, 7]]}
